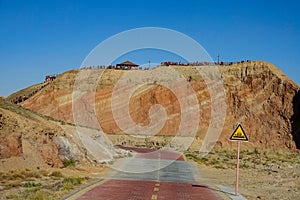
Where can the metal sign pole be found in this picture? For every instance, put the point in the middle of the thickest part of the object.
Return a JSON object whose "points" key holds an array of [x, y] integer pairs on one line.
{"points": [[237, 168], [238, 135]]}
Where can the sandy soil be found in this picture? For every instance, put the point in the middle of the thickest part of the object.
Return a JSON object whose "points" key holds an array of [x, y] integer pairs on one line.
{"points": [[269, 182]]}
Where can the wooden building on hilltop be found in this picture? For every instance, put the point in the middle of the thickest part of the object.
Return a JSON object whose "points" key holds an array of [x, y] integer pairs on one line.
{"points": [[127, 65], [50, 78]]}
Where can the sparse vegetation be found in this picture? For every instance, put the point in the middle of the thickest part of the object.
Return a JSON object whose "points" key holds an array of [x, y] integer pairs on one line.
{"points": [[34, 194], [46, 185], [267, 174], [30, 114], [31, 184], [69, 162], [249, 158], [70, 182]]}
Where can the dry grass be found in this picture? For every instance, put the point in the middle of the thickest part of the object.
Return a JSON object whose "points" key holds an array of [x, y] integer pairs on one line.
{"points": [[264, 174], [37, 185], [249, 158]]}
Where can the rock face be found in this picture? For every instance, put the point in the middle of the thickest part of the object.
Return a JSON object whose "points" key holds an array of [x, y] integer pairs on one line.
{"points": [[20, 135], [258, 95], [262, 99], [10, 146], [295, 119], [29, 140]]}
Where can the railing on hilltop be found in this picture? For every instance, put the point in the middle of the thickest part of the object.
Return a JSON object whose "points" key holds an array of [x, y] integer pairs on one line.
{"points": [[114, 67], [169, 63]]}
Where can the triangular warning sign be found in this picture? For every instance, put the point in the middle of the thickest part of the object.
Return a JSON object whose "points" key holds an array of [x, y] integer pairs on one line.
{"points": [[239, 134]]}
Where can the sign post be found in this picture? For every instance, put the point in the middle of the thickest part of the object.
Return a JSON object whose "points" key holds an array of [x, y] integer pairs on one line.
{"points": [[238, 135]]}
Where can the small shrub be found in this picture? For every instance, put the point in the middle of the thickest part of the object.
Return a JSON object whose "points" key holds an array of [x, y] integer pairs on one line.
{"points": [[70, 182], [255, 151], [245, 166], [204, 160], [37, 194], [12, 196], [214, 162], [41, 195], [189, 155], [73, 180], [31, 184], [68, 162], [68, 187]]}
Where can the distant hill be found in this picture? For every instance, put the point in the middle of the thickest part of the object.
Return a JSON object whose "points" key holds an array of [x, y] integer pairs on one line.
{"points": [[258, 95]]}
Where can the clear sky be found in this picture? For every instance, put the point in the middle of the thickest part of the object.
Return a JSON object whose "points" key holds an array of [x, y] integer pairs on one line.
{"points": [[49, 37]]}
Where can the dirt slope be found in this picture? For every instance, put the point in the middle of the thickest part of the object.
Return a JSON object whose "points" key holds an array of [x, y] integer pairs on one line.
{"points": [[25, 93], [30, 140], [258, 95]]}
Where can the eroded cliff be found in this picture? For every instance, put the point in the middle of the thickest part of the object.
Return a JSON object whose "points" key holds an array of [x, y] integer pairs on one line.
{"points": [[258, 95]]}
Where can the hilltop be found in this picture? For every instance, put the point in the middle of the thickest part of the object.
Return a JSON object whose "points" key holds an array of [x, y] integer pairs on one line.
{"points": [[258, 95]]}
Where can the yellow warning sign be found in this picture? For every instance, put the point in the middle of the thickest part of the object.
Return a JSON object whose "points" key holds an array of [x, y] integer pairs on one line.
{"points": [[239, 134]]}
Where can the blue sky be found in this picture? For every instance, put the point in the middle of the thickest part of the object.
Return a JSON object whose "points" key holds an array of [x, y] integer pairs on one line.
{"points": [[49, 37]]}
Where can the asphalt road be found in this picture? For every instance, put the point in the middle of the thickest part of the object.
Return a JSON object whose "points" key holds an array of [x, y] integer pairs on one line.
{"points": [[151, 175]]}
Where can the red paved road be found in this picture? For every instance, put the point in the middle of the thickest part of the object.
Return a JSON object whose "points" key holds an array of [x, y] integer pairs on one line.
{"points": [[154, 153], [141, 190], [151, 190]]}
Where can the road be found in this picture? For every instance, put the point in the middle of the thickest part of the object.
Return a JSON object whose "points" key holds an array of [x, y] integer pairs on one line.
{"points": [[151, 175]]}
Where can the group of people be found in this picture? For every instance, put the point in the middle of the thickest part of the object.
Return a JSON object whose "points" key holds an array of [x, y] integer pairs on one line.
{"points": [[95, 67], [19, 99], [114, 67], [24, 97], [169, 63]]}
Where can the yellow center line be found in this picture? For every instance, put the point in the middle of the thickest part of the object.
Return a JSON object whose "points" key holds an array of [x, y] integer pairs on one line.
{"points": [[156, 187], [154, 197]]}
